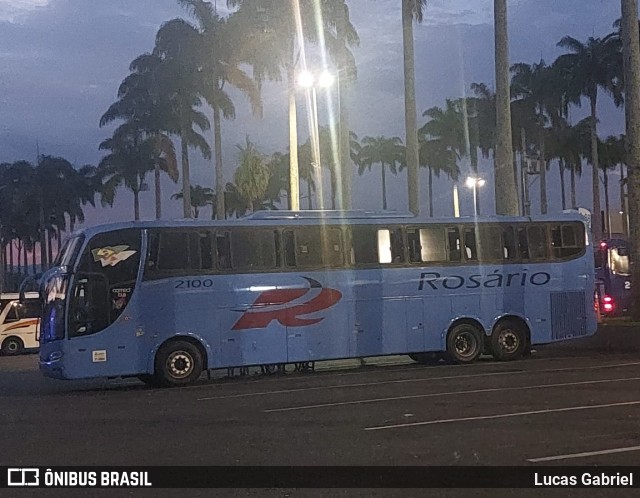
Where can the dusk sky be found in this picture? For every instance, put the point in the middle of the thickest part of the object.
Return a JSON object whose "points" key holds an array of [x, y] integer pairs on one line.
{"points": [[61, 62]]}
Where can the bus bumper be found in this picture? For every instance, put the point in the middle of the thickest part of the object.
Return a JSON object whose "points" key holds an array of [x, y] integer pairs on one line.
{"points": [[52, 365]]}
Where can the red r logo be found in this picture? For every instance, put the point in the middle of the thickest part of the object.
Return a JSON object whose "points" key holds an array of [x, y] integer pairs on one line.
{"points": [[262, 312]]}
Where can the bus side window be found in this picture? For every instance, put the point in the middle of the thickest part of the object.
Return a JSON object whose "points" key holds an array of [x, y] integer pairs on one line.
{"points": [[223, 251], [12, 314], [537, 242], [523, 244], [470, 248], [364, 242], [413, 239], [171, 252], [205, 250], [289, 248], [509, 243], [567, 240], [396, 245], [453, 239]]}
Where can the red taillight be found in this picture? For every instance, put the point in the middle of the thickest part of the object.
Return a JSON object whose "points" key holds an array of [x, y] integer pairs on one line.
{"points": [[608, 304]]}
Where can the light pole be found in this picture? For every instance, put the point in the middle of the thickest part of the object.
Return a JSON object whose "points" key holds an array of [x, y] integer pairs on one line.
{"points": [[311, 82], [474, 183]]}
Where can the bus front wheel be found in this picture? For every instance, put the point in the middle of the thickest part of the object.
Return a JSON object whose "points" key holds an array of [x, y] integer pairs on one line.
{"points": [[12, 346], [508, 340], [464, 343], [178, 363]]}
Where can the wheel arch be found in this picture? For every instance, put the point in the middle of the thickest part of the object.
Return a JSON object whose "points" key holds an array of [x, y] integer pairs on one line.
{"points": [[16, 337], [516, 318], [460, 320], [202, 345]]}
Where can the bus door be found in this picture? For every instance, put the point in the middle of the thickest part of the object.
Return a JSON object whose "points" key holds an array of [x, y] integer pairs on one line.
{"points": [[101, 322]]}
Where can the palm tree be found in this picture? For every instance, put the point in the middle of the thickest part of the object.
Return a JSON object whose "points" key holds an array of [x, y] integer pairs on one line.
{"points": [[386, 152], [589, 67], [339, 35], [144, 108], [537, 89], [252, 175], [631, 51], [200, 197], [181, 81], [611, 154], [411, 10], [222, 61], [124, 165], [505, 182], [438, 158]]}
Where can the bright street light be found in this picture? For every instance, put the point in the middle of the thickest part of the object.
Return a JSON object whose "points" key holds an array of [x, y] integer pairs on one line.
{"points": [[474, 183], [311, 81]]}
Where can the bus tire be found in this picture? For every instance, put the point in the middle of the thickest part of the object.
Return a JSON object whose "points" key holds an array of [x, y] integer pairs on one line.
{"points": [[430, 358], [464, 343], [178, 363], [508, 340], [12, 346]]}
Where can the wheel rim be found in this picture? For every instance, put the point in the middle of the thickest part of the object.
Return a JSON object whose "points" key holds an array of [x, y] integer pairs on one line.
{"points": [[180, 364], [12, 347], [465, 344], [509, 341]]}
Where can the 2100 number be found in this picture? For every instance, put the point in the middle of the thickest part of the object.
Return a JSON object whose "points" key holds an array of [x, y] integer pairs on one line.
{"points": [[194, 284]]}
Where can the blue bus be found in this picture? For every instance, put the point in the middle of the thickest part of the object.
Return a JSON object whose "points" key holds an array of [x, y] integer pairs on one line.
{"points": [[612, 273], [166, 300]]}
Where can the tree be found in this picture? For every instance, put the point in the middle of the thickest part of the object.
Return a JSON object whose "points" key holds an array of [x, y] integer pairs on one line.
{"points": [[505, 181], [252, 175], [386, 152], [589, 67], [148, 113], [631, 52], [200, 197], [181, 81], [411, 10], [438, 158], [222, 61], [611, 154]]}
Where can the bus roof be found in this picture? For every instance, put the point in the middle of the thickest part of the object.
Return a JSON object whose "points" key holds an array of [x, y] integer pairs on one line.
{"points": [[315, 217]]}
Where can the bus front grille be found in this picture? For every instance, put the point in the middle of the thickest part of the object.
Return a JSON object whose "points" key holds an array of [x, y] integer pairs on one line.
{"points": [[568, 315]]}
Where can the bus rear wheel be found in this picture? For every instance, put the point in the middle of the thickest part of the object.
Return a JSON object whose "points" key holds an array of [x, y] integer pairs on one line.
{"points": [[464, 343], [178, 363], [508, 340], [12, 346]]}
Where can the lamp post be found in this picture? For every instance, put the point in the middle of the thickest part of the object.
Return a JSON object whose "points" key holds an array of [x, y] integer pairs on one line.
{"points": [[473, 183], [311, 82]]}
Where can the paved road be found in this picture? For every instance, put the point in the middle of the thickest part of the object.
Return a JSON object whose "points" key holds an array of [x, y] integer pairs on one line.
{"points": [[551, 408]]}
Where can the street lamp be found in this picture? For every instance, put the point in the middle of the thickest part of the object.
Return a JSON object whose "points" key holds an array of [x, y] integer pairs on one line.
{"points": [[311, 82], [474, 183]]}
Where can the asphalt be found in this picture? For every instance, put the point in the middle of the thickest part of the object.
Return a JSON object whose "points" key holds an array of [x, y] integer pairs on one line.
{"points": [[574, 404]]}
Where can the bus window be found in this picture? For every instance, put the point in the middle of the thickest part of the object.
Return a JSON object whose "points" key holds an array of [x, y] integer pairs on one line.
{"points": [[12, 314], [390, 246], [470, 248], [567, 240], [490, 244], [523, 244], [253, 250], [619, 261], [171, 251], [537, 242], [509, 243], [223, 250], [454, 244], [427, 245], [364, 243], [314, 247]]}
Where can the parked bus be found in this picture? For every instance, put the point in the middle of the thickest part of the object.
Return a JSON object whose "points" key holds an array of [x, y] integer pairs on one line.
{"points": [[165, 300], [612, 272], [19, 322]]}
